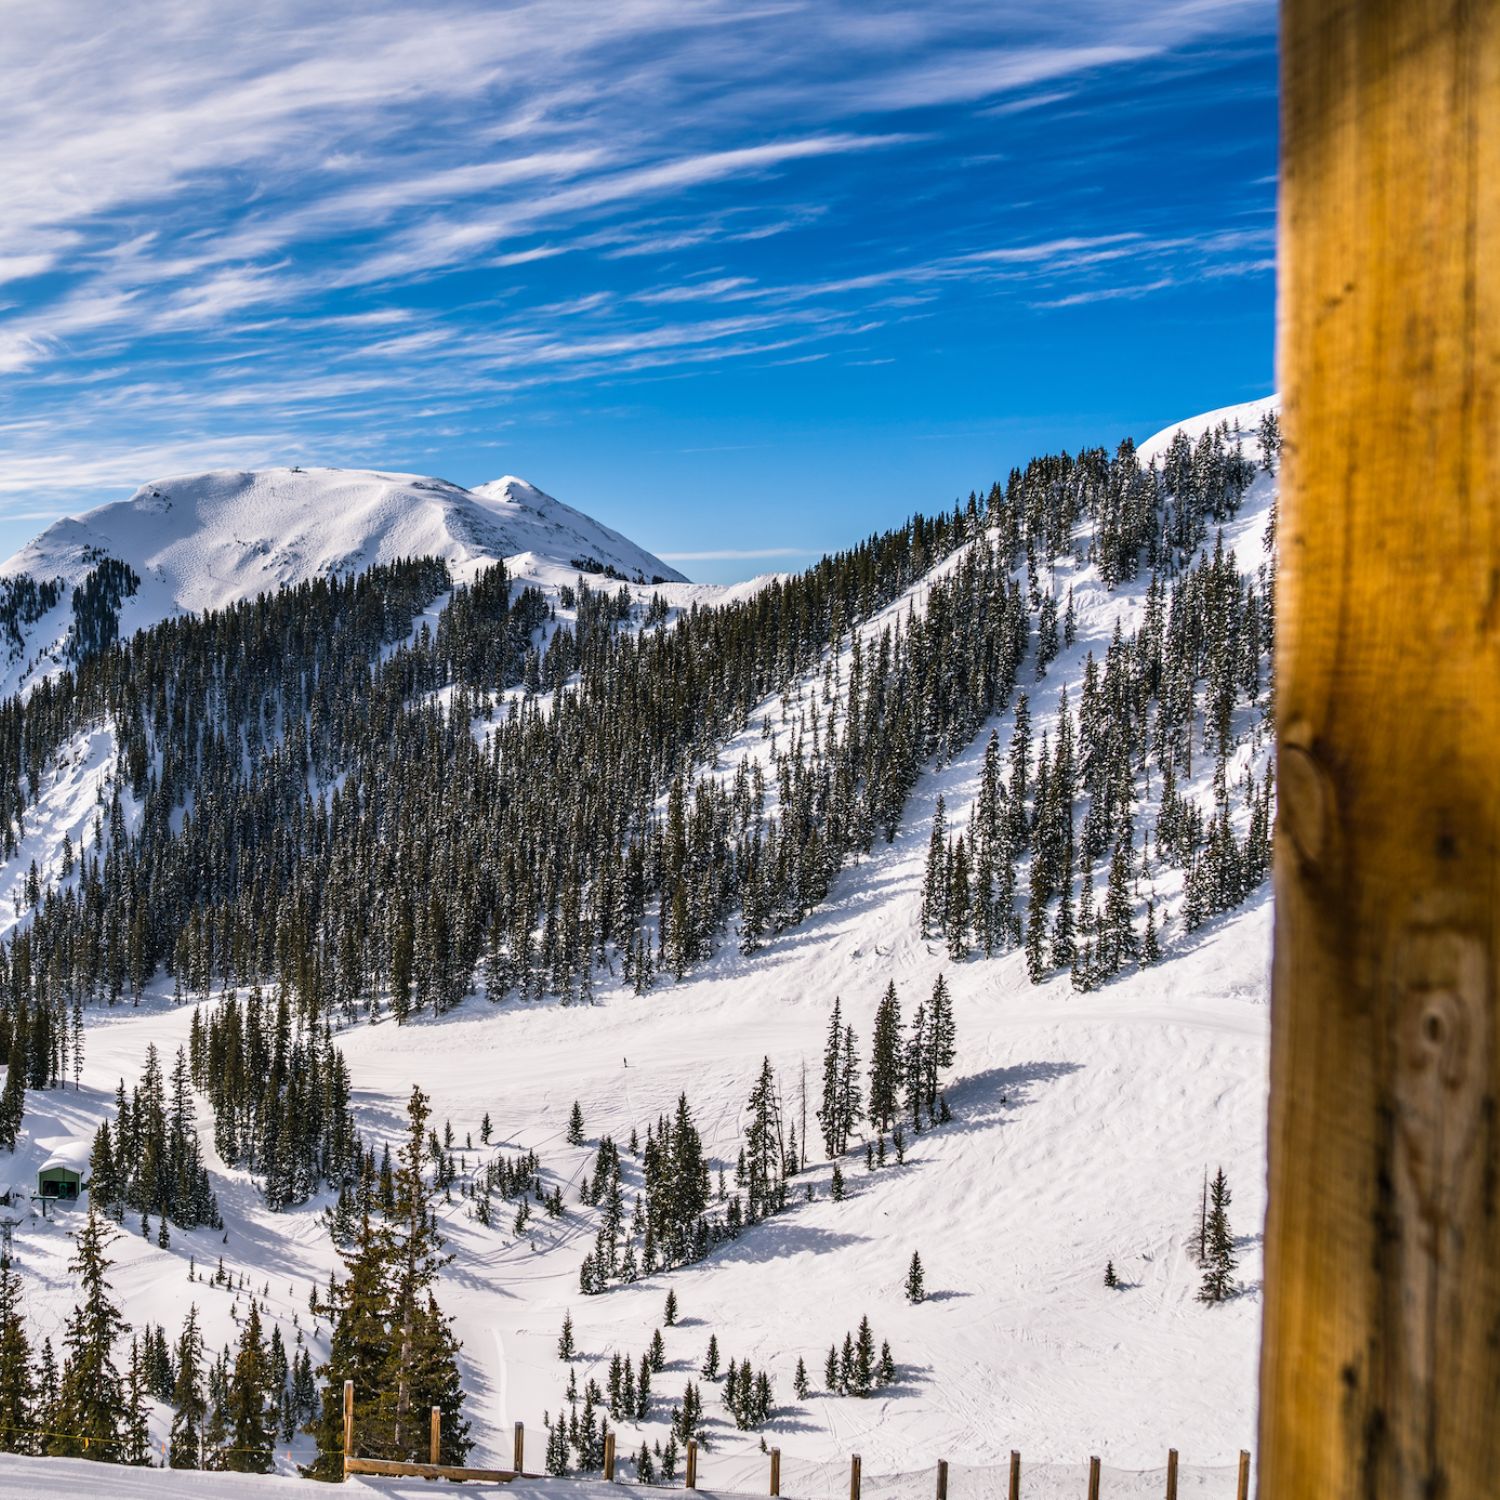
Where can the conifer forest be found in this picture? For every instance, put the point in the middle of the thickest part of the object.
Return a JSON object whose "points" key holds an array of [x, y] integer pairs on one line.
{"points": [[548, 991]]}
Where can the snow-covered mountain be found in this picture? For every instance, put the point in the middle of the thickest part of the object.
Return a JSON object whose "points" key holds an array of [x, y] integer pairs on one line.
{"points": [[1083, 1122], [204, 541]]}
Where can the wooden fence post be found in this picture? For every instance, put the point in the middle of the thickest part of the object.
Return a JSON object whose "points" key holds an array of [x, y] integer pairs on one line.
{"points": [[775, 1471], [348, 1423], [854, 1477], [1379, 1361], [518, 1460], [690, 1479], [1015, 1475], [942, 1479], [1093, 1479], [435, 1443], [1171, 1474], [1244, 1490]]}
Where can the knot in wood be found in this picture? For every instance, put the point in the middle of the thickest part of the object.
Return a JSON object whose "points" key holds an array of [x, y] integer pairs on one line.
{"points": [[1304, 795]]}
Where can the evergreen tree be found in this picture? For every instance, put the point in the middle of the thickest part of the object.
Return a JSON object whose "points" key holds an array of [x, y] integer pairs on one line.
{"points": [[1110, 1279], [135, 1429], [885, 1061], [829, 1112], [18, 1392], [189, 1405], [575, 1125], [251, 1423], [13, 1096], [389, 1336], [914, 1279], [566, 1348], [91, 1397], [864, 1359], [1219, 1260]]}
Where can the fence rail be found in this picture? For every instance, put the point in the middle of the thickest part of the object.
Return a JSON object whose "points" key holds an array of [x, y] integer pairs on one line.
{"points": [[824, 1481]]}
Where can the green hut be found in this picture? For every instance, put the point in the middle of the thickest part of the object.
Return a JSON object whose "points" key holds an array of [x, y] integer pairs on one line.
{"points": [[59, 1181]]}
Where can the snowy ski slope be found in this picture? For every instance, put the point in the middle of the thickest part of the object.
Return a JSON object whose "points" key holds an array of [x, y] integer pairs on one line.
{"points": [[1083, 1126]]}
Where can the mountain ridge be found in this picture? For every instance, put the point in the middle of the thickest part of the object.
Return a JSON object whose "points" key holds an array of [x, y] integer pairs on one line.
{"points": [[205, 541]]}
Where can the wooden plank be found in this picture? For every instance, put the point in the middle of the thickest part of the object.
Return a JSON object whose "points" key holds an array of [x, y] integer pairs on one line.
{"points": [[1244, 1490], [1015, 1476], [775, 1471], [390, 1468], [435, 1444], [348, 1423], [1093, 1479], [690, 1478], [1171, 1474], [854, 1477], [609, 1456], [942, 1479], [1380, 1365], [518, 1460]]}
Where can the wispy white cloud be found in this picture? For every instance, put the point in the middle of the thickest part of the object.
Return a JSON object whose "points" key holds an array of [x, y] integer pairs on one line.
{"points": [[350, 211]]}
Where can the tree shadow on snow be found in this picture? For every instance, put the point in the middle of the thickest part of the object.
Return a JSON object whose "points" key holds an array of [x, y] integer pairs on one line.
{"points": [[778, 1237], [985, 1099]]}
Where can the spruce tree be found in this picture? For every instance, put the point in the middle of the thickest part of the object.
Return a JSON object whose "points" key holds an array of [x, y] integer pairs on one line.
{"points": [[135, 1434], [1219, 1261], [250, 1422], [185, 1450], [566, 1348], [18, 1391], [829, 1113], [885, 1061], [91, 1396], [914, 1279], [864, 1359]]}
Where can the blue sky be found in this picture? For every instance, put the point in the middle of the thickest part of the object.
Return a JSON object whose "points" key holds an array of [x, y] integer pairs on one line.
{"points": [[745, 280]]}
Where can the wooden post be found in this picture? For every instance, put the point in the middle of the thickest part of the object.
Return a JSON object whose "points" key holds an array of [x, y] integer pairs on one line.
{"points": [[1380, 1365], [1015, 1475], [518, 1458], [690, 1479], [435, 1442], [1093, 1479], [854, 1477], [609, 1456], [348, 1422], [1171, 1474], [1244, 1490], [942, 1479], [776, 1471]]}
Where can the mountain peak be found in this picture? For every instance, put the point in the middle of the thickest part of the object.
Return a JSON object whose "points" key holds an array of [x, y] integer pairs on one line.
{"points": [[207, 541]]}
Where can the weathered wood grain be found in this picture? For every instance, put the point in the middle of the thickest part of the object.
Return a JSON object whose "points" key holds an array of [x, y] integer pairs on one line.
{"points": [[1380, 1374]]}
